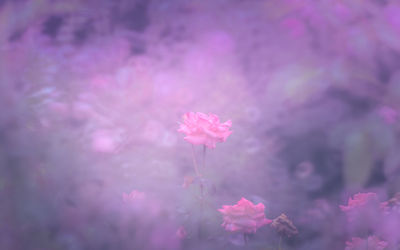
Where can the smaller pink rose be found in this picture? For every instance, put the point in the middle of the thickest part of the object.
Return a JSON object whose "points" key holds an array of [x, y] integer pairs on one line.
{"points": [[202, 129], [244, 217]]}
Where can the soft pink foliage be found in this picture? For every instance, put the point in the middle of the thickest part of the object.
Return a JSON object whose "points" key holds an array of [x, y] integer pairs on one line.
{"points": [[103, 141], [372, 243], [204, 129], [295, 27], [244, 217], [141, 203], [134, 196], [163, 237]]}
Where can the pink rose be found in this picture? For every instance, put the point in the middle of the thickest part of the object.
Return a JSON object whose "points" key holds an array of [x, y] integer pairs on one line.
{"points": [[244, 217], [373, 243], [204, 129]]}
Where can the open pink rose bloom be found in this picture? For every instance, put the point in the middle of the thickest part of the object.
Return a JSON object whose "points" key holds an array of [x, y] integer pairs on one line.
{"points": [[202, 129], [244, 217]]}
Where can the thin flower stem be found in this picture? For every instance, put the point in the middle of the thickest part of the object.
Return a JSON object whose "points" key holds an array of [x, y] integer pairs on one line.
{"points": [[280, 241], [196, 169], [204, 156]]}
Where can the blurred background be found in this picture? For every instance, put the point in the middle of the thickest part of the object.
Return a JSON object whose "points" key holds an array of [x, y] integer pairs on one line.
{"points": [[92, 93]]}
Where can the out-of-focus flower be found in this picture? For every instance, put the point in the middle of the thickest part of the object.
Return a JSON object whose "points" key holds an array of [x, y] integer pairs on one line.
{"points": [[392, 204], [304, 169], [363, 208], [204, 129], [372, 243], [134, 196], [103, 141], [295, 27], [187, 181], [359, 200], [321, 210], [388, 114], [152, 130], [244, 217], [181, 232], [284, 226], [390, 223], [143, 205], [102, 81]]}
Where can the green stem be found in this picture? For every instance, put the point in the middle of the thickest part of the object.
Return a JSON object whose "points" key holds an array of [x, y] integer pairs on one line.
{"points": [[204, 156], [280, 242], [196, 169]]}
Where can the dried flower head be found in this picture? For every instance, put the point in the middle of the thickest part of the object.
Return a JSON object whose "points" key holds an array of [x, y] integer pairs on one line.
{"points": [[284, 226]]}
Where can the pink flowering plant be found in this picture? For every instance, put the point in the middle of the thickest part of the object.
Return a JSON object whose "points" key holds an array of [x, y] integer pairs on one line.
{"points": [[305, 107], [206, 130], [370, 221], [244, 217]]}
